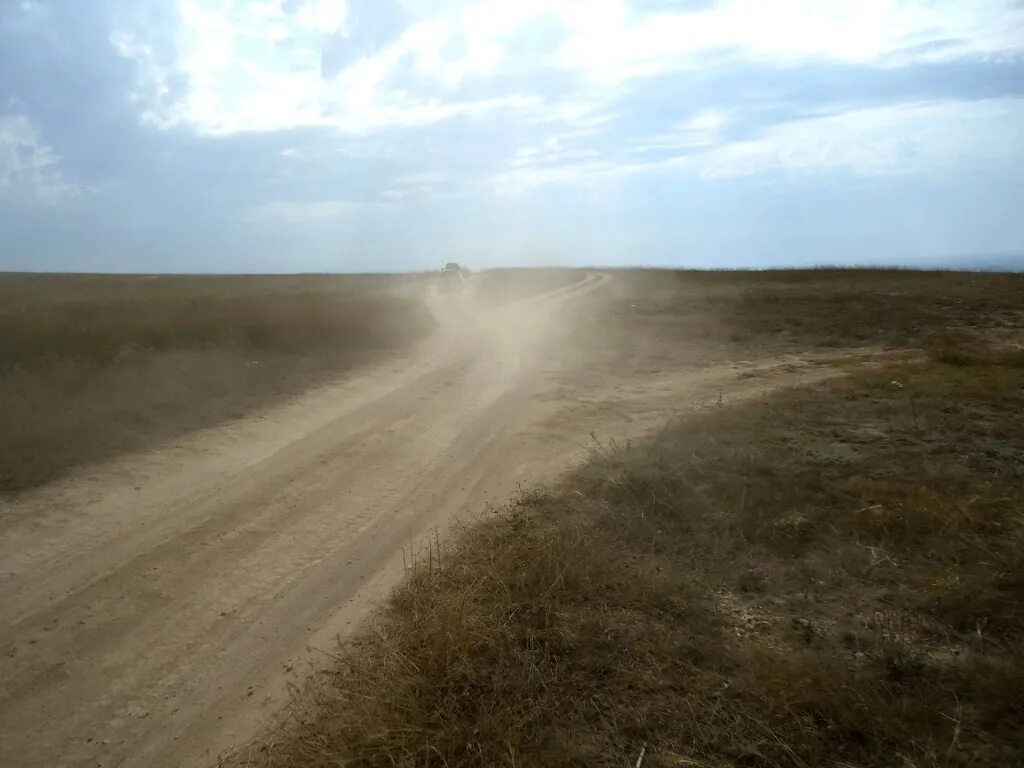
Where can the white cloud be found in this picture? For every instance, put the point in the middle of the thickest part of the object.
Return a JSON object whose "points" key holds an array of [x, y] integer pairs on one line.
{"points": [[612, 45], [538, 167], [326, 16], [302, 211], [919, 138], [152, 79], [30, 168], [905, 138], [255, 66], [703, 129], [570, 158]]}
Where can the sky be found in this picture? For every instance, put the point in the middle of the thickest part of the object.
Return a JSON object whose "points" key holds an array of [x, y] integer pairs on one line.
{"points": [[388, 135]]}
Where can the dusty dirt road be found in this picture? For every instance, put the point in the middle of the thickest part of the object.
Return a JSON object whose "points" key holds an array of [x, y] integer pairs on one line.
{"points": [[155, 609]]}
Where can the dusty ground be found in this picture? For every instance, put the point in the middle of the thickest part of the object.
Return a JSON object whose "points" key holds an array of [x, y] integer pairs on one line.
{"points": [[830, 575], [157, 607]]}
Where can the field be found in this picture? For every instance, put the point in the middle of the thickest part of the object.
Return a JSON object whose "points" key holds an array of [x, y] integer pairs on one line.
{"points": [[755, 519], [830, 577], [95, 366]]}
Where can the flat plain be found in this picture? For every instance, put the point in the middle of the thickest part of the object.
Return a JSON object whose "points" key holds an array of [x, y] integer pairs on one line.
{"points": [[756, 518]]}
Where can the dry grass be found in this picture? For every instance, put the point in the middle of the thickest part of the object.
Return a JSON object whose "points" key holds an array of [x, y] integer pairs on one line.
{"points": [[830, 577], [103, 332], [660, 320], [86, 375], [93, 366], [30, 288], [958, 347]]}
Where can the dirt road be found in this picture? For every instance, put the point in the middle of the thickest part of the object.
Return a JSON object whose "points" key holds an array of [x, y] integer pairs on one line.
{"points": [[155, 609]]}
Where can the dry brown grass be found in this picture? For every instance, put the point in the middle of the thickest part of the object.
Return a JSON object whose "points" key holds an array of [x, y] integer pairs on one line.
{"points": [[29, 288], [103, 332], [959, 347], [86, 374], [830, 577], [659, 319]]}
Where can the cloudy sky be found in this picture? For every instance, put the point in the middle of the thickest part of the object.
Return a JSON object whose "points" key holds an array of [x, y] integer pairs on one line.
{"points": [[309, 135]]}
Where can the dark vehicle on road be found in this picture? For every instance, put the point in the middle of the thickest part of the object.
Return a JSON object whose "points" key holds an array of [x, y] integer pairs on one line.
{"points": [[452, 277]]}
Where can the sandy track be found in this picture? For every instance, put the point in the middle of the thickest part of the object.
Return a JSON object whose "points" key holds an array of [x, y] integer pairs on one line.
{"points": [[154, 609]]}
